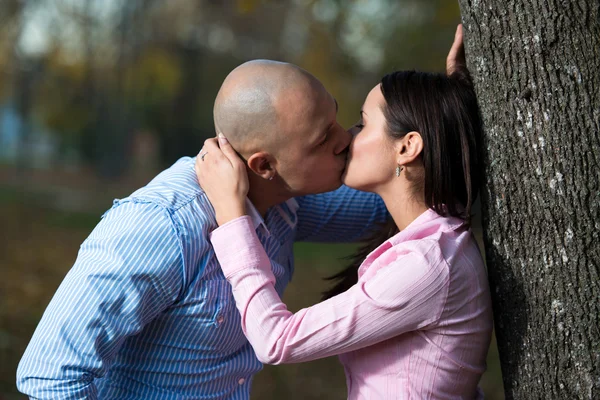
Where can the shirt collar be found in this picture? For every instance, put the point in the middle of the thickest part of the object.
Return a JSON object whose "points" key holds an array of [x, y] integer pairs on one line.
{"points": [[425, 225], [259, 222], [292, 205], [257, 219]]}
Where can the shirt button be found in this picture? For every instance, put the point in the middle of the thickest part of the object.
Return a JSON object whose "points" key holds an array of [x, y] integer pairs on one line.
{"points": [[241, 381], [220, 319]]}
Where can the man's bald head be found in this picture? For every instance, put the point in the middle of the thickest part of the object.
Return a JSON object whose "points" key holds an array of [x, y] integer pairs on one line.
{"points": [[248, 106]]}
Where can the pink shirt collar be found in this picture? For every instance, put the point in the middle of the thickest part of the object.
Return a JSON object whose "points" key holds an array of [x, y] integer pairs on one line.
{"points": [[426, 224]]}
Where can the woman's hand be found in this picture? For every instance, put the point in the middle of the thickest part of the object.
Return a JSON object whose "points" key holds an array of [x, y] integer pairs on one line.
{"points": [[224, 179], [456, 56]]}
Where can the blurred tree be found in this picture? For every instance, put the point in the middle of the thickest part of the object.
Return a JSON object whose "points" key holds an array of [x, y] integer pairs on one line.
{"points": [[25, 74], [535, 67], [11, 12], [107, 70]]}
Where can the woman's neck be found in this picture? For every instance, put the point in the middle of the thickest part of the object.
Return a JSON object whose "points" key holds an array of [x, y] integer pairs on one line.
{"points": [[403, 206]]}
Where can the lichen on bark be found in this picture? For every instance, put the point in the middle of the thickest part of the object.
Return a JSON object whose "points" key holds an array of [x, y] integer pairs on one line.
{"points": [[536, 70]]}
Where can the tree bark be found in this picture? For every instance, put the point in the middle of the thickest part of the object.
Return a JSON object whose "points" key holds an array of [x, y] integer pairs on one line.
{"points": [[536, 71]]}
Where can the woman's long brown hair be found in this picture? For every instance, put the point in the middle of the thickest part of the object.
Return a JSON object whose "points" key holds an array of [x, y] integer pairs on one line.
{"points": [[443, 109]]}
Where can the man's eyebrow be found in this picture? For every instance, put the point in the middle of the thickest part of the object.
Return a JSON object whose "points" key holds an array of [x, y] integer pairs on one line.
{"points": [[363, 112]]}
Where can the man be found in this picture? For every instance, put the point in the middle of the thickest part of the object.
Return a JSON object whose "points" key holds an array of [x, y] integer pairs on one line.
{"points": [[145, 312]]}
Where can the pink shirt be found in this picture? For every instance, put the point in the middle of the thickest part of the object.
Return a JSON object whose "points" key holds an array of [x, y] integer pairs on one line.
{"points": [[417, 325]]}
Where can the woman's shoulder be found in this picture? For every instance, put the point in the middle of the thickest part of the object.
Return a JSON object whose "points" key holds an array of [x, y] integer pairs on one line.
{"points": [[444, 249], [432, 242], [408, 260]]}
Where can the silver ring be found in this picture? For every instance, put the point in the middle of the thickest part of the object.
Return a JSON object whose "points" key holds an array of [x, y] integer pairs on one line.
{"points": [[202, 155]]}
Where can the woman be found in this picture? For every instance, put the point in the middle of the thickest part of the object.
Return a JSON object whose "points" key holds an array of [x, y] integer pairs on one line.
{"points": [[412, 318]]}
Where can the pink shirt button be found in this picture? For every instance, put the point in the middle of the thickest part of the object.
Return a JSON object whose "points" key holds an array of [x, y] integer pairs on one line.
{"points": [[241, 381]]}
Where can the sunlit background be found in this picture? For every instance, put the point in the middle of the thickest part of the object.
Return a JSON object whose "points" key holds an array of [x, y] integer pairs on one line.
{"points": [[97, 96]]}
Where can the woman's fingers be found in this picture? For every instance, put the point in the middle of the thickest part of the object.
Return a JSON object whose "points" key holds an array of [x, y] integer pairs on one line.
{"points": [[456, 56], [223, 177], [211, 150], [212, 154], [228, 150]]}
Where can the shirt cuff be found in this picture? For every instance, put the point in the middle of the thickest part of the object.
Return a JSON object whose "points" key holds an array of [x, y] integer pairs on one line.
{"points": [[237, 246]]}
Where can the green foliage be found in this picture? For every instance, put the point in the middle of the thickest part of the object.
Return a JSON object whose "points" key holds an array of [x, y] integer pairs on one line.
{"points": [[154, 79], [109, 71]]}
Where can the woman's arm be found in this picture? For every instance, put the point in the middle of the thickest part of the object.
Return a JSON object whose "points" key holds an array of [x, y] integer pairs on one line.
{"points": [[407, 294]]}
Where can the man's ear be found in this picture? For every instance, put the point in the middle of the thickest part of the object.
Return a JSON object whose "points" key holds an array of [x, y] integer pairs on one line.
{"points": [[262, 164], [409, 148]]}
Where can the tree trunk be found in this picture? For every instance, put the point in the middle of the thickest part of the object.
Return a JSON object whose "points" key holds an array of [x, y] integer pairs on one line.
{"points": [[536, 70]]}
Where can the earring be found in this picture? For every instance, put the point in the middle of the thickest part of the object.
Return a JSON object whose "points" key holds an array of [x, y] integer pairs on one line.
{"points": [[398, 170]]}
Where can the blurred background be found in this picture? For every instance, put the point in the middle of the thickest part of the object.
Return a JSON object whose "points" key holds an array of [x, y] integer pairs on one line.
{"points": [[97, 96]]}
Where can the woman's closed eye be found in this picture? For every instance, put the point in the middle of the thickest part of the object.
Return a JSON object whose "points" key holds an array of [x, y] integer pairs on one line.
{"points": [[359, 125]]}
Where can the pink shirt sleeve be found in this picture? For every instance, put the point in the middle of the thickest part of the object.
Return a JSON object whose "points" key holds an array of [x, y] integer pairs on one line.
{"points": [[408, 293]]}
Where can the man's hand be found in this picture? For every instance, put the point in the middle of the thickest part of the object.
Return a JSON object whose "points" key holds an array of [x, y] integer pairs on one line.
{"points": [[456, 56]]}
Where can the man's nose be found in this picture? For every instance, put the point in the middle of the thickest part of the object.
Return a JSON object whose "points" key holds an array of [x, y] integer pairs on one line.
{"points": [[343, 139]]}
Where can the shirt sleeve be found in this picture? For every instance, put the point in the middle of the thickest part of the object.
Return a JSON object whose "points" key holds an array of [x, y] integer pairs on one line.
{"points": [[344, 215], [407, 294], [127, 271]]}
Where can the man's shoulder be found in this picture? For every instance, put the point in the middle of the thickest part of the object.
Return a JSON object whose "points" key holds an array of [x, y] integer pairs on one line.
{"points": [[173, 188], [177, 192]]}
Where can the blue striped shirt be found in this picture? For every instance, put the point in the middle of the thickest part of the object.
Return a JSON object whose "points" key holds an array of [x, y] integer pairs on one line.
{"points": [[146, 313]]}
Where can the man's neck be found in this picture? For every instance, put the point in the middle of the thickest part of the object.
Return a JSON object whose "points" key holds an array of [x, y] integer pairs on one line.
{"points": [[264, 196]]}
